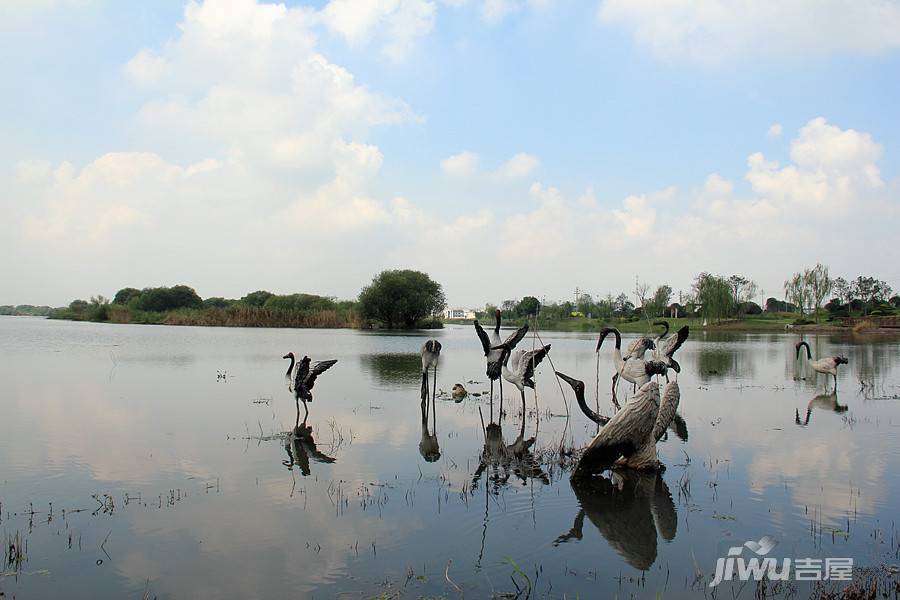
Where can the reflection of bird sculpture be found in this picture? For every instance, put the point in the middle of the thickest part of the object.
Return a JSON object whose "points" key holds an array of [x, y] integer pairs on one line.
{"points": [[520, 368], [304, 378], [822, 402], [493, 353], [629, 437], [633, 370], [431, 353], [301, 447], [667, 345], [428, 444], [630, 510], [826, 366]]}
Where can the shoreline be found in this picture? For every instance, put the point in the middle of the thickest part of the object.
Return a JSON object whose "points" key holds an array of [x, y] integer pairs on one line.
{"points": [[573, 326]]}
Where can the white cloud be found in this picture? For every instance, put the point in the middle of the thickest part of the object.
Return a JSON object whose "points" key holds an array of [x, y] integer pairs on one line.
{"points": [[146, 68], [718, 30], [775, 130], [520, 165], [832, 171], [107, 196], [460, 165], [493, 11], [637, 218], [400, 22]]}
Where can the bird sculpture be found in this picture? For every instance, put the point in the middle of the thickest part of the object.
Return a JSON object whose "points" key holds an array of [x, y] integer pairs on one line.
{"points": [[302, 377], [826, 366]]}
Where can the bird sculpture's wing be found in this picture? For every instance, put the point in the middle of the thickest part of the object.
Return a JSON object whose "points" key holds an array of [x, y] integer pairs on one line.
{"points": [[674, 342], [667, 407], [679, 426], [318, 368], [633, 346], [530, 360], [624, 432], [663, 510], [300, 373], [515, 337], [483, 336]]}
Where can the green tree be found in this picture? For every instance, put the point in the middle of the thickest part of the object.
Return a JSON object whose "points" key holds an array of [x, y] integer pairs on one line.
{"points": [[78, 306], [841, 289], [796, 291], [401, 298], [715, 296], [529, 306], [162, 299], [819, 284], [257, 298], [125, 295], [660, 300]]}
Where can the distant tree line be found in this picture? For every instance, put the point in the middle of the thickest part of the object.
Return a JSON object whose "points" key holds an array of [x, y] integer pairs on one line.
{"points": [[25, 310], [396, 298], [717, 298]]}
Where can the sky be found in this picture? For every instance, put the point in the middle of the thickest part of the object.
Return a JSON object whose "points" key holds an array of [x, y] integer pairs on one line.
{"points": [[505, 147]]}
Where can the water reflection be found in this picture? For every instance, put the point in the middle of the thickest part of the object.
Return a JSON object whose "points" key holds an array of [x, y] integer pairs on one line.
{"points": [[502, 461], [715, 363], [301, 448], [428, 444], [825, 402], [629, 509], [393, 369]]}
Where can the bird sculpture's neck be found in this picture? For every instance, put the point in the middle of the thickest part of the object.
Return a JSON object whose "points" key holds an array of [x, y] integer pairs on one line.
{"points": [[587, 410], [290, 367]]}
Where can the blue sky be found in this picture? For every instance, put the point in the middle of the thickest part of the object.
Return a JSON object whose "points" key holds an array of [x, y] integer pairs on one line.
{"points": [[507, 147]]}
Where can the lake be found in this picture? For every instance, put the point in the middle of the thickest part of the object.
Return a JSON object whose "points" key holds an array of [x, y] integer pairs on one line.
{"points": [[152, 461]]}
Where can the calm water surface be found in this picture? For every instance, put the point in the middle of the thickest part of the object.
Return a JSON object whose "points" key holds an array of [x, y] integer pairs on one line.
{"points": [[129, 466]]}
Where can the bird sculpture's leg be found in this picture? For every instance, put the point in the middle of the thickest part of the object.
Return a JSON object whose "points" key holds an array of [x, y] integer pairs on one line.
{"points": [[500, 415], [835, 381], [434, 391], [523, 404], [491, 401], [306, 412]]}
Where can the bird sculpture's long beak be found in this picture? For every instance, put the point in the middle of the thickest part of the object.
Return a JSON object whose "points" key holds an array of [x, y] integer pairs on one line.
{"points": [[570, 380], [286, 356]]}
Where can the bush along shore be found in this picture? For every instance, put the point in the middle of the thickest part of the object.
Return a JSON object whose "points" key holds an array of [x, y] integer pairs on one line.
{"points": [[394, 299]]}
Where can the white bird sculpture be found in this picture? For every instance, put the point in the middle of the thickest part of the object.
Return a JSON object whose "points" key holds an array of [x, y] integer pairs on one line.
{"points": [[304, 378], [431, 353], [634, 370], [826, 366], [493, 353], [667, 345], [520, 368]]}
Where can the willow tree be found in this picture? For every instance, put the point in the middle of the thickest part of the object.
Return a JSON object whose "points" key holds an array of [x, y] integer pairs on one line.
{"points": [[796, 291], [818, 284], [714, 294]]}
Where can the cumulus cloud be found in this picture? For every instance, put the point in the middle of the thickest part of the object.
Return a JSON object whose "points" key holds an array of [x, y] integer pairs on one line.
{"points": [[400, 22], [460, 165], [495, 11], [775, 130], [719, 30], [520, 165]]}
